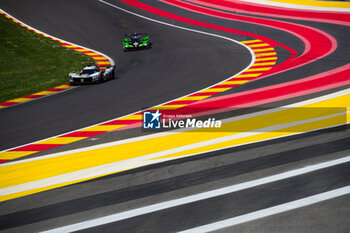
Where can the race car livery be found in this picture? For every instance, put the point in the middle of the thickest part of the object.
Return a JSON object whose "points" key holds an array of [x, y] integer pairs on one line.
{"points": [[91, 74], [136, 41]]}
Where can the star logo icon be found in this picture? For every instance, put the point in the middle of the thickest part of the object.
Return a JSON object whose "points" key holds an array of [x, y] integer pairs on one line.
{"points": [[152, 120], [155, 115]]}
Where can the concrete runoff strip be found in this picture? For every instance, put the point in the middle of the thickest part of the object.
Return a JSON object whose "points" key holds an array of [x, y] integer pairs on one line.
{"points": [[219, 192]]}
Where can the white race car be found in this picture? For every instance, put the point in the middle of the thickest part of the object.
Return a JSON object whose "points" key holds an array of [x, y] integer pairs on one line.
{"points": [[91, 74]]}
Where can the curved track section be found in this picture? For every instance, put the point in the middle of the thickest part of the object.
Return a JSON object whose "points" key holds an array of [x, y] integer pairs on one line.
{"points": [[177, 65], [264, 58]]}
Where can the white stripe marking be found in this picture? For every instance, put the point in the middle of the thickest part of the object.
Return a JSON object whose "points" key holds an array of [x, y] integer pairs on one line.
{"points": [[196, 197], [271, 211]]}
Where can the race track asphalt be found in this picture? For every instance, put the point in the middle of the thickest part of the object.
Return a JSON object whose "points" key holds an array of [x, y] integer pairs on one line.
{"points": [[179, 63]]}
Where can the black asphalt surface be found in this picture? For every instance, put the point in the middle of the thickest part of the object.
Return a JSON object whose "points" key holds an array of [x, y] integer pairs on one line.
{"points": [[153, 76]]}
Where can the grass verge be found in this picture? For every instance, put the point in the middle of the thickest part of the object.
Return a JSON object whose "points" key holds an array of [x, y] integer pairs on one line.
{"points": [[30, 63]]}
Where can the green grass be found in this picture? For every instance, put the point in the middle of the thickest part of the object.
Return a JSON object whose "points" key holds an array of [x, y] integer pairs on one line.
{"points": [[30, 63]]}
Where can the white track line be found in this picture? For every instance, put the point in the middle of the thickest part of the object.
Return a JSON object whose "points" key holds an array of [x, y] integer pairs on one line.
{"points": [[160, 22], [271, 211], [198, 197]]}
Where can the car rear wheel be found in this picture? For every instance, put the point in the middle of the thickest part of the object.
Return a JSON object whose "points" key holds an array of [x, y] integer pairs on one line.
{"points": [[99, 80]]}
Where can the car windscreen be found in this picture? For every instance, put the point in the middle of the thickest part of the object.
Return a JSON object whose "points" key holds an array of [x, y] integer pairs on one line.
{"points": [[88, 71], [136, 39]]}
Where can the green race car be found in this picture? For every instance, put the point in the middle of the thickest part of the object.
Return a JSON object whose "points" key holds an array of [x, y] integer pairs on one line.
{"points": [[136, 41]]}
